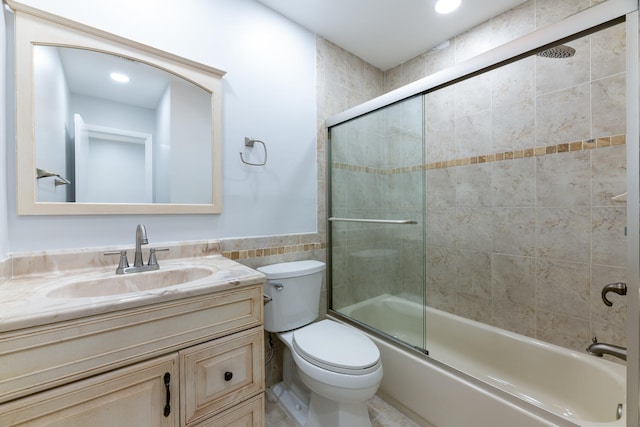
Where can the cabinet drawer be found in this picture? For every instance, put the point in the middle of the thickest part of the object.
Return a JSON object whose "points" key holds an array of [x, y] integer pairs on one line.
{"points": [[218, 374], [246, 414]]}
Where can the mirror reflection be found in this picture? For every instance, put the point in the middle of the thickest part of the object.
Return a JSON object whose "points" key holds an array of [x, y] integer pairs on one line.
{"points": [[118, 130]]}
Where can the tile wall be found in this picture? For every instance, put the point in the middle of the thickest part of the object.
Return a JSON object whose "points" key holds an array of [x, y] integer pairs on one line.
{"points": [[521, 165]]}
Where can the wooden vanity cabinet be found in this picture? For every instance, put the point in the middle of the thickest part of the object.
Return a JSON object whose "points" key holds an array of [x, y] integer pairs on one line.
{"points": [[217, 380]]}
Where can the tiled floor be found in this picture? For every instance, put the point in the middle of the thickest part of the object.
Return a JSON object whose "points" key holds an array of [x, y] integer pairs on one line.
{"points": [[381, 413]]}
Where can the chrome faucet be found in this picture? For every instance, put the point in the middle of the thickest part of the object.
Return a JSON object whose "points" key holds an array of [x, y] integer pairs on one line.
{"points": [[141, 239], [138, 263], [599, 349]]}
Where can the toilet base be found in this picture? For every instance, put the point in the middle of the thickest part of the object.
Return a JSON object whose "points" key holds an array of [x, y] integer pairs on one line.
{"points": [[320, 412], [324, 413], [293, 405]]}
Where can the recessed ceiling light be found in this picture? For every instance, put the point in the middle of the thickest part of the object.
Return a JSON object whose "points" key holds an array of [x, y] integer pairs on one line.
{"points": [[119, 77], [447, 6]]}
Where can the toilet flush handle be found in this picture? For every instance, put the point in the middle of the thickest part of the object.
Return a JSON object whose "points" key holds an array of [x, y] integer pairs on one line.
{"points": [[266, 298]]}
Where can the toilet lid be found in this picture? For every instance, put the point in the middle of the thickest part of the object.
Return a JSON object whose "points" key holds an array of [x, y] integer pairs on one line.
{"points": [[337, 348]]}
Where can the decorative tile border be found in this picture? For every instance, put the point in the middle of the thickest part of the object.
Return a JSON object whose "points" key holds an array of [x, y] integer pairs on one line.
{"points": [[273, 250], [587, 144]]}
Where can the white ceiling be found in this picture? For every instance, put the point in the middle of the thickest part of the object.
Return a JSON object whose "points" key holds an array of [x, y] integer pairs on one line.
{"points": [[87, 73], [386, 33]]}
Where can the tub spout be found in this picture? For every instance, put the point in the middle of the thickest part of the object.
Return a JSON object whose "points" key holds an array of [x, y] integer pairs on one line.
{"points": [[599, 349]]}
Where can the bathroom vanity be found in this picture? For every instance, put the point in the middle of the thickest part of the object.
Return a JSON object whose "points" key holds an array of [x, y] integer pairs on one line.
{"points": [[186, 351]]}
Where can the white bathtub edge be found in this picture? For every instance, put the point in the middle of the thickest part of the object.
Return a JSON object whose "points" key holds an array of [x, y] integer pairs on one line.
{"points": [[456, 400]]}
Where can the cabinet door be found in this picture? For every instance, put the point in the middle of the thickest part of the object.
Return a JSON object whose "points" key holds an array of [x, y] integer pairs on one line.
{"points": [[219, 374], [246, 414], [144, 394]]}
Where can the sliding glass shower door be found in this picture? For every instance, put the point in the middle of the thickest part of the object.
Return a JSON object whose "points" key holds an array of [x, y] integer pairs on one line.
{"points": [[376, 217]]}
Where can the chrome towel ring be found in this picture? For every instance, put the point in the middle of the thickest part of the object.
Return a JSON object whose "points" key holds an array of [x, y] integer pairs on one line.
{"points": [[250, 142]]}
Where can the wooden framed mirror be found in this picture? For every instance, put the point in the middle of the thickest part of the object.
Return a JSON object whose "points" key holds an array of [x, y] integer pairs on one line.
{"points": [[88, 144]]}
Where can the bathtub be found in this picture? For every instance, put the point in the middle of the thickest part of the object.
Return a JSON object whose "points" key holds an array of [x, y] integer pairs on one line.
{"points": [[482, 376]]}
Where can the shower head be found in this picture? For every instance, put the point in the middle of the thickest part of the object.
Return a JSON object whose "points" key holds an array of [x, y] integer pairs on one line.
{"points": [[560, 51]]}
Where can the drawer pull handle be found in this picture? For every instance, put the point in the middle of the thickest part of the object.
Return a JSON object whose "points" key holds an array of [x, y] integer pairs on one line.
{"points": [[167, 405], [228, 375]]}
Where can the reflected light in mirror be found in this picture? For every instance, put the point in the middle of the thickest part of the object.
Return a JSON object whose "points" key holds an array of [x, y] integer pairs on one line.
{"points": [[119, 77]]}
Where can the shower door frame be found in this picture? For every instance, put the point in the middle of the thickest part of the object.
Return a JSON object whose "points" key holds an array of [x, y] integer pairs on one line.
{"points": [[600, 15]]}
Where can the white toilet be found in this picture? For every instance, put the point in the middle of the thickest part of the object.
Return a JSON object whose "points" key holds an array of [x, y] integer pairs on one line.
{"points": [[330, 370]]}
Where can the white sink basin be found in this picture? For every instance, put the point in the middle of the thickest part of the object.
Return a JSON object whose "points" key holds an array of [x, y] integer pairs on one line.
{"points": [[128, 283]]}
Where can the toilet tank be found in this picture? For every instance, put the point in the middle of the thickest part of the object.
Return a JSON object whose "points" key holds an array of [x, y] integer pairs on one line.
{"points": [[294, 288]]}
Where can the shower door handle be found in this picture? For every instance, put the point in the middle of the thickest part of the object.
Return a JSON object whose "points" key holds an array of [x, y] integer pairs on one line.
{"points": [[375, 221]]}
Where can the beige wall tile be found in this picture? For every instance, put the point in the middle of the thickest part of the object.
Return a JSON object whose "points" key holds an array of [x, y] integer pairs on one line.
{"points": [[608, 239], [608, 52], [513, 296], [440, 275], [563, 287], [563, 330], [473, 134], [514, 82], [564, 233], [550, 11], [609, 172], [473, 95], [513, 183], [608, 115], [441, 188], [473, 230], [441, 227], [513, 126], [473, 185], [473, 273], [514, 231], [563, 116], [440, 141], [565, 179]]}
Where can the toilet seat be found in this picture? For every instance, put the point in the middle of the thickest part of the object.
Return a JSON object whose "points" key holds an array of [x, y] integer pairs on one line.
{"points": [[336, 348]]}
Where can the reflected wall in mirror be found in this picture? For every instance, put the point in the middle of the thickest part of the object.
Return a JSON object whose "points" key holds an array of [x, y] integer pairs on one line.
{"points": [[149, 144], [141, 136]]}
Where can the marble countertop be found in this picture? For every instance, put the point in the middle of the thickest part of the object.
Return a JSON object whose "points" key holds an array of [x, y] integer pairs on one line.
{"points": [[29, 300]]}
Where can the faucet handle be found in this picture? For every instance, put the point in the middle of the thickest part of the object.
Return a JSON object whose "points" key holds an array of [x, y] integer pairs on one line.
{"points": [[619, 288], [123, 263], [152, 255]]}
